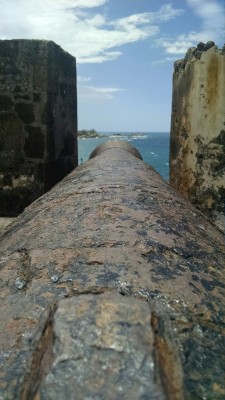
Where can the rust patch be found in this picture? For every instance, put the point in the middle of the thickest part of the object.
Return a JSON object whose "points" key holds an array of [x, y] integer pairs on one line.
{"points": [[213, 79], [166, 356], [41, 360]]}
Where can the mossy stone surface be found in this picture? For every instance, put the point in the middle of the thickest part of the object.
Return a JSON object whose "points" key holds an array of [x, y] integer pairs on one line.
{"points": [[35, 142], [11, 140]]}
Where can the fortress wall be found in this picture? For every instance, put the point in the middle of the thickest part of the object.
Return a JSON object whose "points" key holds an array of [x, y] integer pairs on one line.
{"points": [[112, 286], [197, 147], [38, 120]]}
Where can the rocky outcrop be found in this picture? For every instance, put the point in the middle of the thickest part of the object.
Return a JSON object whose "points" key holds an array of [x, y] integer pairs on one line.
{"points": [[197, 147], [112, 286], [38, 120]]}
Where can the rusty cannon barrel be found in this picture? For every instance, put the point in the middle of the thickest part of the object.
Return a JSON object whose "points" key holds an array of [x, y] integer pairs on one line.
{"points": [[112, 287]]}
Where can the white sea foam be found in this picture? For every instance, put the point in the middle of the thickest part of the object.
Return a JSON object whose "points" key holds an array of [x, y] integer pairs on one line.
{"points": [[154, 148]]}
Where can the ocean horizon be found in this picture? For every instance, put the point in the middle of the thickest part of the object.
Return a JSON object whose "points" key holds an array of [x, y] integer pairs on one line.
{"points": [[153, 147]]}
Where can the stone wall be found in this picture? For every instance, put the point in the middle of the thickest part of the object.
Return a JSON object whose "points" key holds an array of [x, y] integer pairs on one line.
{"points": [[197, 147], [38, 120]]}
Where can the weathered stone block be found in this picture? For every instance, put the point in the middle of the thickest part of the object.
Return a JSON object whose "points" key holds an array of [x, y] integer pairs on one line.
{"points": [[25, 112], [197, 147], [38, 119], [34, 143], [6, 103], [11, 133]]}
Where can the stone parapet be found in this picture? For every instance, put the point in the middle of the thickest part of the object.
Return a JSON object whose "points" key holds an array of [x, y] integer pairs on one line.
{"points": [[197, 145], [38, 120]]}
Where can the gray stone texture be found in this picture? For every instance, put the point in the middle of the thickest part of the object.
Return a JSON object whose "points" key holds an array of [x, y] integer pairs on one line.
{"points": [[38, 120], [197, 147], [112, 287]]}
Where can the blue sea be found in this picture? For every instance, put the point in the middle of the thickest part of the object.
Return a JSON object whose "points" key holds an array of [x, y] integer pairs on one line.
{"points": [[154, 147]]}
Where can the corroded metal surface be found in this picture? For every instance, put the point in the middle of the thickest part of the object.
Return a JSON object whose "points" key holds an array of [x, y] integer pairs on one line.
{"points": [[112, 232], [112, 334], [116, 144]]}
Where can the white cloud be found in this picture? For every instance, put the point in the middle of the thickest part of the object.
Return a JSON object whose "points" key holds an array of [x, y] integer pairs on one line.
{"points": [[83, 3], [89, 93], [92, 93], [167, 13], [82, 79], [181, 44], [211, 13], [78, 26], [164, 60], [96, 94]]}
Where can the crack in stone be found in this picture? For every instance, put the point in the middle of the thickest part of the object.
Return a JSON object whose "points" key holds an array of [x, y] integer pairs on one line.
{"points": [[42, 358], [168, 367]]}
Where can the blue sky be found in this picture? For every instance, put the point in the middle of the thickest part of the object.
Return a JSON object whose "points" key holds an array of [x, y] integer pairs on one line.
{"points": [[125, 50]]}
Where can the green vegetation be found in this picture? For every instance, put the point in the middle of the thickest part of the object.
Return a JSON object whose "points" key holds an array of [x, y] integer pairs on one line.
{"points": [[88, 134]]}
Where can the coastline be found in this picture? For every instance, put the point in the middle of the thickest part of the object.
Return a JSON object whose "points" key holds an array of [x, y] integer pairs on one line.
{"points": [[93, 134], [88, 134]]}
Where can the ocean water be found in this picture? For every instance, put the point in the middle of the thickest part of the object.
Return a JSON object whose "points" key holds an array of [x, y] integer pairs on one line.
{"points": [[153, 147]]}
